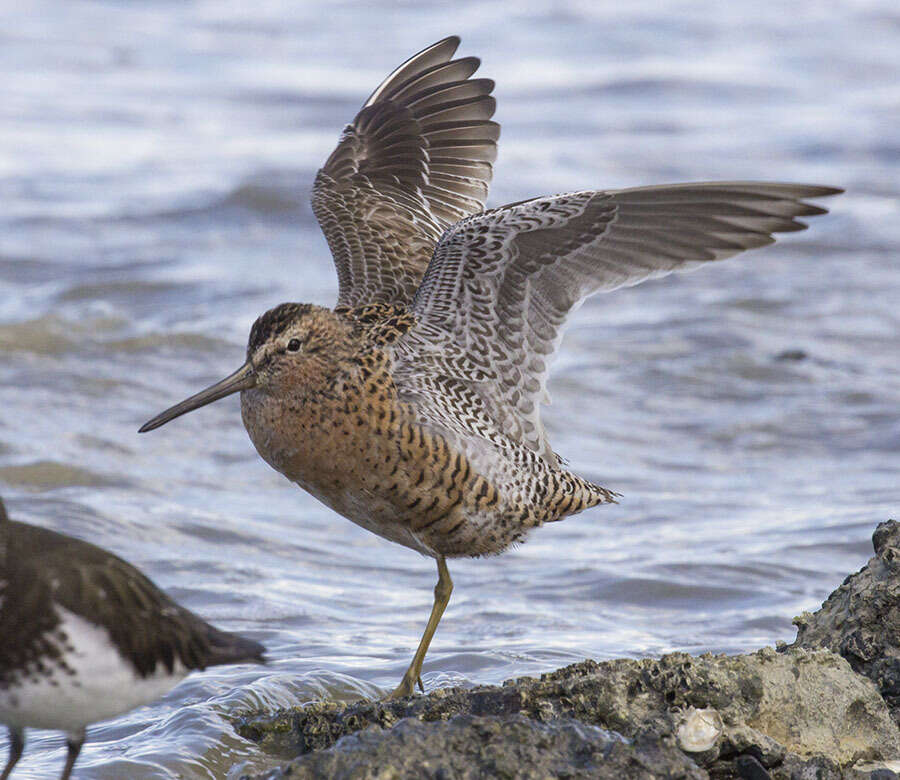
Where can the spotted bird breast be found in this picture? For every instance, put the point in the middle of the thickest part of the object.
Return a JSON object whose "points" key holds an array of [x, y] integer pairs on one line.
{"points": [[366, 454]]}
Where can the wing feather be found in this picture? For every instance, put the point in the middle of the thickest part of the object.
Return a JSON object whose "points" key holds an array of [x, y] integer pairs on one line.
{"points": [[416, 159], [492, 305]]}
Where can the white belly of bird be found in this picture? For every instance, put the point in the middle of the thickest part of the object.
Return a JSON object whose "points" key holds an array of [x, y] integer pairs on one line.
{"points": [[101, 685]]}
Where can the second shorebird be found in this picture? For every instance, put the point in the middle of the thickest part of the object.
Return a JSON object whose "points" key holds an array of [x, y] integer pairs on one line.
{"points": [[84, 636], [413, 407]]}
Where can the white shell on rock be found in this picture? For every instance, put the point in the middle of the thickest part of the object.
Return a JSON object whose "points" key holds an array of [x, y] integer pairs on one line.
{"points": [[699, 730]]}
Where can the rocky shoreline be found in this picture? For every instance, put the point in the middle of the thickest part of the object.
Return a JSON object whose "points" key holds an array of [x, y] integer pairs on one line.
{"points": [[823, 708]]}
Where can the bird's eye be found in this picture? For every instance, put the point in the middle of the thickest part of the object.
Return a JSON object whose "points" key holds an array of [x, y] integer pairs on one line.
{"points": [[294, 345]]}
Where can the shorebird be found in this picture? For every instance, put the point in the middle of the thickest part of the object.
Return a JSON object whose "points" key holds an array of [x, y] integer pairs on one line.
{"points": [[84, 636], [413, 407]]}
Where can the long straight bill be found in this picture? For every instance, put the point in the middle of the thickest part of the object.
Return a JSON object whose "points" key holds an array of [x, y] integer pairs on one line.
{"points": [[242, 379]]}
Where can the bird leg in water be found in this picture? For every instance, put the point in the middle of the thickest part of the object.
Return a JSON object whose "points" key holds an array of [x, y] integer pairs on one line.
{"points": [[16, 746], [442, 592], [73, 743]]}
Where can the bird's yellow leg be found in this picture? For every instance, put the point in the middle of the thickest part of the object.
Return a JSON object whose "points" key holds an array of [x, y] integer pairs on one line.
{"points": [[442, 592]]}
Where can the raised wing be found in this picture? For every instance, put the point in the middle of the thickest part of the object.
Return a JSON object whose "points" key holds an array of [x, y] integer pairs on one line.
{"points": [[416, 159], [491, 307]]}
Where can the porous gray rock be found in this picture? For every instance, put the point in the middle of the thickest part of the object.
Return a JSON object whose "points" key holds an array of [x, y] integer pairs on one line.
{"points": [[861, 619], [807, 704], [472, 747], [814, 710]]}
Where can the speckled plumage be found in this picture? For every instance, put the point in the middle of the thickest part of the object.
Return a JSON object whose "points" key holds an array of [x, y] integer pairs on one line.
{"points": [[413, 408], [416, 159], [454, 487]]}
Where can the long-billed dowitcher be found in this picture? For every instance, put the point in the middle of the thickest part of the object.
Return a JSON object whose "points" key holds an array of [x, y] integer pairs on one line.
{"points": [[413, 407], [84, 636]]}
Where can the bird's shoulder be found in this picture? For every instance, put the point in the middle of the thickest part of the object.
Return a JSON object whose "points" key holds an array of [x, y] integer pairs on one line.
{"points": [[378, 325]]}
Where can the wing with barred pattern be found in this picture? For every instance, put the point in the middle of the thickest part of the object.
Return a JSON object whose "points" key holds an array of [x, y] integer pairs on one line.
{"points": [[493, 302], [416, 159]]}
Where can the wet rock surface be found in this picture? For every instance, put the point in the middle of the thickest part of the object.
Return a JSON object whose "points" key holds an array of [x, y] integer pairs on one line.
{"points": [[861, 619], [473, 746], [820, 709]]}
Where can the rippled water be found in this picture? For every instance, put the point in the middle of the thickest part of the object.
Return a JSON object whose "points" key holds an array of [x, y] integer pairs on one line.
{"points": [[155, 163]]}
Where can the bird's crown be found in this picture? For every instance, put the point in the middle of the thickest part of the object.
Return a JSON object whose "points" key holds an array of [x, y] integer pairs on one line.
{"points": [[275, 322]]}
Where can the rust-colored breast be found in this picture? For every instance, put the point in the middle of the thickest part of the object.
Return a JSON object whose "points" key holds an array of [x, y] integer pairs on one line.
{"points": [[370, 456]]}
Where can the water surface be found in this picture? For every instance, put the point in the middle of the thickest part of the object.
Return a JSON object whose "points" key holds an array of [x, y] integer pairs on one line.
{"points": [[155, 165]]}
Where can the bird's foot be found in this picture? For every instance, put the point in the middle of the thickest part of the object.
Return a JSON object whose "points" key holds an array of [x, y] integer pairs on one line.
{"points": [[407, 686]]}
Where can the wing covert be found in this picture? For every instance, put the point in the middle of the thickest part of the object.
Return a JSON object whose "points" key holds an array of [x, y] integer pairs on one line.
{"points": [[494, 300]]}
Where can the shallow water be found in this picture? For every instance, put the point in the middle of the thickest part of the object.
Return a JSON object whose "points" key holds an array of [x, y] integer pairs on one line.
{"points": [[155, 163]]}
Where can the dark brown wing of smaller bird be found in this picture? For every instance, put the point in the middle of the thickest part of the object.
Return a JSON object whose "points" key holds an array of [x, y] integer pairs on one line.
{"points": [[149, 628], [416, 159]]}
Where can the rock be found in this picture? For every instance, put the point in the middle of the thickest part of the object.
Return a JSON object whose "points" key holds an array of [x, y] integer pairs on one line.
{"points": [[814, 710], [749, 768], [741, 739], [861, 619], [875, 771], [815, 768], [802, 702], [470, 747]]}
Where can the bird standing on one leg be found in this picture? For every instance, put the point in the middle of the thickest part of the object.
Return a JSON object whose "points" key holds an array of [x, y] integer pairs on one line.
{"points": [[84, 636], [413, 407]]}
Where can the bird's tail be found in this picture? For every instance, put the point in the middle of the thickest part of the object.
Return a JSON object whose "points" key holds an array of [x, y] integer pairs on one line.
{"points": [[228, 648], [574, 494]]}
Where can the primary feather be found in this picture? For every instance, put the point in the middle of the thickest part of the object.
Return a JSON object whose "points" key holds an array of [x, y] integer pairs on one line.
{"points": [[416, 159]]}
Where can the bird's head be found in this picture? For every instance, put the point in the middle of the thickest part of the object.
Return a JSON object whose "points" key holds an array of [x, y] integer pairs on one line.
{"points": [[292, 347]]}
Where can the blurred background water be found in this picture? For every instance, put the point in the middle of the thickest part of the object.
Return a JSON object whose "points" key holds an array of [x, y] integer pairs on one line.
{"points": [[155, 166]]}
